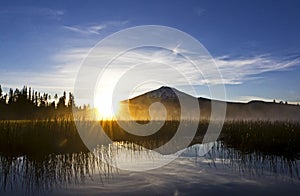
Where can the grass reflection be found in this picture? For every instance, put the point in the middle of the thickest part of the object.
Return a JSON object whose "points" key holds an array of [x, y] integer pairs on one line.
{"points": [[38, 156]]}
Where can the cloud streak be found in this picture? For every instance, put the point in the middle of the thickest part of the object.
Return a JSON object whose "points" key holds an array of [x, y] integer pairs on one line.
{"points": [[237, 71], [63, 72], [89, 30], [94, 28], [34, 11]]}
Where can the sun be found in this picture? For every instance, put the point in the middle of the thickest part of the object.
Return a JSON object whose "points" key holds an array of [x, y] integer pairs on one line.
{"points": [[106, 109], [106, 100]]}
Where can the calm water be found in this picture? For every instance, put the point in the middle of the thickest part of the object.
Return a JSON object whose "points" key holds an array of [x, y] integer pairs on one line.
{"points": [[221, 171]]}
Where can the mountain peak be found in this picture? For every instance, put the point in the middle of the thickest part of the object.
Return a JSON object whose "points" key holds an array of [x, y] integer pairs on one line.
{"points": [[163, 92], [165, 88]]}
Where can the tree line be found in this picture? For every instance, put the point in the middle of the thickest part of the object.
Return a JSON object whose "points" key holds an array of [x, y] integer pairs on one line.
{"points": [[26, 103]]}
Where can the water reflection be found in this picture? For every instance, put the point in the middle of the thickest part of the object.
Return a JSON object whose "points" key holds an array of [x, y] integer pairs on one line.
{"points": [[254, 164], [40, 174]]}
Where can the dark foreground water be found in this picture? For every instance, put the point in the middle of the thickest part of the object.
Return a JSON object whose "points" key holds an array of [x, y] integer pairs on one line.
{"points": [[222, 171]]}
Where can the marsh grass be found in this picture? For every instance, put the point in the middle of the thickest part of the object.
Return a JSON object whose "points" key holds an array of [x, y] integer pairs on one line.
{"points": [[37, 155], [41, 174], [37, 137], [255, 164], [264, 137]]}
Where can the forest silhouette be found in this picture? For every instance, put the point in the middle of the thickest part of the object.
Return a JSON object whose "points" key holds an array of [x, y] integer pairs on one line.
{"points": [[28, 104]]}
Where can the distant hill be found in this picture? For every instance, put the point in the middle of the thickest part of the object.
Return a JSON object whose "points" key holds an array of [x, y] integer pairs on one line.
{"points": [[253, 110]]}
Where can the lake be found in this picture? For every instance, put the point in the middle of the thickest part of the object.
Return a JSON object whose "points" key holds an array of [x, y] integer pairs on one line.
{"points": [[223, 170]]}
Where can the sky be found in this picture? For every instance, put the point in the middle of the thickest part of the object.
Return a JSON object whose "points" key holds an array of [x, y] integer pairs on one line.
{"points": [[254, 44]]}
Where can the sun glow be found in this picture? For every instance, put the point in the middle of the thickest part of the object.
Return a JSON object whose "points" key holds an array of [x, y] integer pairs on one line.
{"points": [[106, 109]]}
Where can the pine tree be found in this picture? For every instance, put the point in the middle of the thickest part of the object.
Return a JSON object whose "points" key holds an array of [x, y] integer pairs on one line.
{"points": [[36, 98], [10, 96], [71, 102], [29, 94], [2, 100], [62, 101], [0, 92]]}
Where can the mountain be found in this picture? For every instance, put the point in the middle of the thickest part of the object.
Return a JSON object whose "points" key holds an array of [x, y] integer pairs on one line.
{"points": [[254, 110]]}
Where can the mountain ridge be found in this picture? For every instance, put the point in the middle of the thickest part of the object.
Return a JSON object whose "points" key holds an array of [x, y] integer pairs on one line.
{"points": [[252, 110]]}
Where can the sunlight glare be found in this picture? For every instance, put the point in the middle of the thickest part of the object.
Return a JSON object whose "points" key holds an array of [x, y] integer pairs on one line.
{"points": [[106, 109]]}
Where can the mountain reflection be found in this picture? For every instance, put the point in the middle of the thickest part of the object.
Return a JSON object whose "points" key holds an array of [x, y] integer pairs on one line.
{"points": [[39, 174]]}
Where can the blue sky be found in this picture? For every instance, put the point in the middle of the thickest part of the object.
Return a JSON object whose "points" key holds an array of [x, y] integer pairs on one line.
{"points": [[255, 43]]}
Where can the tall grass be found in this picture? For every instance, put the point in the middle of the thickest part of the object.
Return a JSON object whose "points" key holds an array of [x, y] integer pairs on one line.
{"points": [[43, 154], [28, 175], [61, 136], [266, 137], [255, 164], [35, 137]]}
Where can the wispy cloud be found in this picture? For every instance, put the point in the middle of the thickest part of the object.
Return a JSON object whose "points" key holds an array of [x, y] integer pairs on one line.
{"points": [[34, 11], [164, 65], [237, 71], [59, 75], [54, 81], [144, 64], [94, 28]]}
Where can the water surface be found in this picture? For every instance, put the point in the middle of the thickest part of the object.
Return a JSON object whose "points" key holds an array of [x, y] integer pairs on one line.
{"points": [[223, 170]]}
